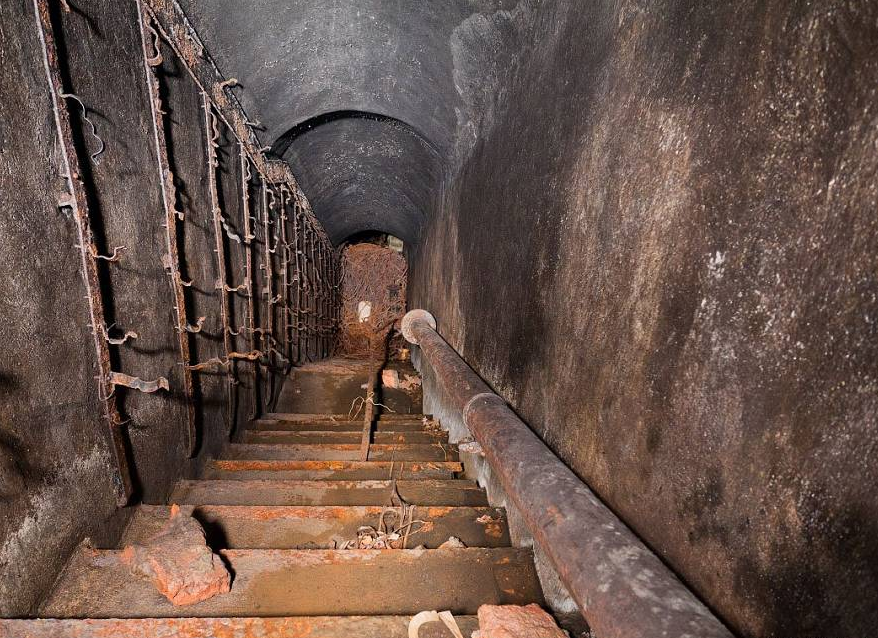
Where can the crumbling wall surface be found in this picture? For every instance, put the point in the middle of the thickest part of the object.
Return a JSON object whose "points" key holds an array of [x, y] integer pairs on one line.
{"points": [[662, 251]]}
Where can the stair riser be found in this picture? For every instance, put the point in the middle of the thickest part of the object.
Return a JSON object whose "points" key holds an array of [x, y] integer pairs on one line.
{"points": [[218, 492], [313, 582], [334, 426], [356, 474], [377, 452], [325, 527], [304, 627], [330, 470], [390, 416], [305, 438]]}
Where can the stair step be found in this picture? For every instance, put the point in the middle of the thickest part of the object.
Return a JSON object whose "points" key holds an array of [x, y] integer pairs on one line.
{"points": [[334, 426], [254, 527], [342, 452], [297, 416], [287, 582], [306, 437], [295, 627], [331, 470], [268, 492]]}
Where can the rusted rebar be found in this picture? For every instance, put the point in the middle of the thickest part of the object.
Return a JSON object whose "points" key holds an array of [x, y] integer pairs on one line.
{"points": [[268, 200], [249, 236], [77, 201], [217, 214], [173, 216], [285, 273]]}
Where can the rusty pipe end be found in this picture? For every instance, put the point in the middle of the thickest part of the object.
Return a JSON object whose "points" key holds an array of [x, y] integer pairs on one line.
{"points": [[408, 323]]}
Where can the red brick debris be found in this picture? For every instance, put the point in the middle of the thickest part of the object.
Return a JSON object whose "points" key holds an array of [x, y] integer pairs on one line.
{"points": [[179, 563]]}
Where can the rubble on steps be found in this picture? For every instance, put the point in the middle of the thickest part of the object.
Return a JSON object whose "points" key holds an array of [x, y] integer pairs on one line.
{"points": [[178, 561], [514, 621]]}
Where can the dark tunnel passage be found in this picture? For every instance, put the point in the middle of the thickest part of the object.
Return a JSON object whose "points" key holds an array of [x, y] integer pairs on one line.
{"points": [[644, 240], [363, 172]]}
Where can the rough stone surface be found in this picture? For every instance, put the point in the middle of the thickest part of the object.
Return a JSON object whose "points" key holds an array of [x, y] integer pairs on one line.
{"points": [[681, 223], [514, 621], [51, 417], [674, 205], [370, 102], [179, 563], [49, 410]]}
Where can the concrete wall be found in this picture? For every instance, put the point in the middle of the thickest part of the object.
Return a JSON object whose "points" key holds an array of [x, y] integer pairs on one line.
{"points": [[57, 483], [56, 460], [661, 250]]}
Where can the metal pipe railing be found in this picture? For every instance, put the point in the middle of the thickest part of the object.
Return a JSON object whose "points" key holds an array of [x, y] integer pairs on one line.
{"points": [[622, 588]]}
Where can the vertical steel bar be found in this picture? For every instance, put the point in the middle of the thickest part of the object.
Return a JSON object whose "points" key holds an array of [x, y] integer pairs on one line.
{"points": [[327, 299], [269, 272], [266, 314], [309, 266], [78, 203], [172, 215], [297, 256], [285, 285], [323, 308], [212, 134], [249, 236]]}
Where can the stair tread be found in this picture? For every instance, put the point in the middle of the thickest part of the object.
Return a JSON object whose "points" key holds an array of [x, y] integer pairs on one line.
{"points": [[304, 492], [342, 451], [335, 426], [284, 582], [316, 470], [245, 627], [304, 416], [354, 436], [280, 527], [396, 425]]}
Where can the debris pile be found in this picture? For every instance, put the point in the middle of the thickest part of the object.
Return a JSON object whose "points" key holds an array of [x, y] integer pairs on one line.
{"points": [[424, 617], [390, 379], [373, 294], [370, 538], [514, 621], [453, 542], [179, 563]]}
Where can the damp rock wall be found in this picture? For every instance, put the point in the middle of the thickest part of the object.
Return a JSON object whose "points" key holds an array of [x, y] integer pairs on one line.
{"points": [[659, 245]]}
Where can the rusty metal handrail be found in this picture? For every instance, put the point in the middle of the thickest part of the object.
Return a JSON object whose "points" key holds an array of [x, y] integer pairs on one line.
{"points": [[621, 587]]}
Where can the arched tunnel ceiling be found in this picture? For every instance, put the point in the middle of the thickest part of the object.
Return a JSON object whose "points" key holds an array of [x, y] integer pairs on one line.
{"points": [[368, 101], [365, 173]]}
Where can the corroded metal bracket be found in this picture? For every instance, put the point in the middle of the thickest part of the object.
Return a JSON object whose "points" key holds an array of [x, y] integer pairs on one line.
{"points": [[77, 201], [173, 216]]}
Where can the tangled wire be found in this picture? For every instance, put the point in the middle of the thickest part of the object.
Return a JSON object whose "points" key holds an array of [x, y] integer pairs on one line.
{"points": [[374, 278]]}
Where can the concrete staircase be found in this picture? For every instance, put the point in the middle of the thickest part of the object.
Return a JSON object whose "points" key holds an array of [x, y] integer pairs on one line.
{"points": [[277, 505]]}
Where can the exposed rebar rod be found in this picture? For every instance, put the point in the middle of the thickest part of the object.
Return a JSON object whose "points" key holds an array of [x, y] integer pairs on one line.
{"points": [[77, 201], [149, 38], [211, 135], [268, 200], [297, 277], [286, 198], [249, 236], [622, 588]]}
